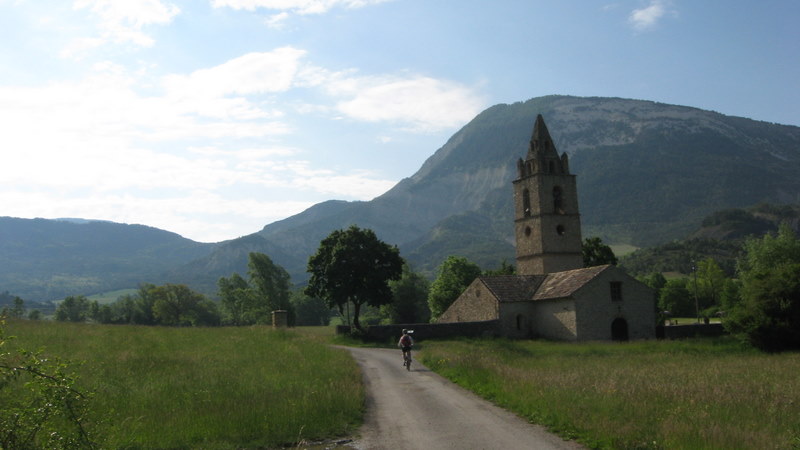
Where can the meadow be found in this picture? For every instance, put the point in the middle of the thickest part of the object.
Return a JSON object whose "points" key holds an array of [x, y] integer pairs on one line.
{"points": [[246, 387], [693, 394]]}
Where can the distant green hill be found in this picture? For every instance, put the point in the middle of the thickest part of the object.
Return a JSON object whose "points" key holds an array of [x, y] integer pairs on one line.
{"points": [[49, 259], [647, 174], [720, 236]]}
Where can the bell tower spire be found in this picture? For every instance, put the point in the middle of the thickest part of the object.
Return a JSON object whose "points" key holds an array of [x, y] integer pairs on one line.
{"points": [[547, 222]]}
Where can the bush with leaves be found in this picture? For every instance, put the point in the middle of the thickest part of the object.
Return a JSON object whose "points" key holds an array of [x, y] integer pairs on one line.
{"points": [[768, 313], [42, 407]]}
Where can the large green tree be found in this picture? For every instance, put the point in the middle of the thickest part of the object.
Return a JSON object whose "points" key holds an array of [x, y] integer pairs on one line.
{"points": [[238, 300], [252, 301], [676, 298], [410, 295], [176, 304], [768, 312], [596, 253], [453, 276], [353, 266], [707, 283], [73, 309], [271, 282], [310, 311]]}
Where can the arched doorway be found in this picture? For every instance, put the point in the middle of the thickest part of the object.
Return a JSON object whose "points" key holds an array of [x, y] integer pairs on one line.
{"points": [[619, 329]]}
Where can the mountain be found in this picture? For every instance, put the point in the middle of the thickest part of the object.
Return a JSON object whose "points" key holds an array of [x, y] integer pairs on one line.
{"points": [[44, 259], [225, 259], [647, 173], [721, 236]]}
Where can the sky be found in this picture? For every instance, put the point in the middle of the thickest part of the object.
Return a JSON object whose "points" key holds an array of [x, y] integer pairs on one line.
{"points": [[214, 118]]}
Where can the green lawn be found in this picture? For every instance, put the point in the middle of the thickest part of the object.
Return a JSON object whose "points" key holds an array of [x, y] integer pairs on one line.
{"points": [[693, 394], [247, 387]]}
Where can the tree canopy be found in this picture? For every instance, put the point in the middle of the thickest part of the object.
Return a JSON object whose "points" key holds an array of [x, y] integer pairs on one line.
{"points": [[252, 301], [768, 313], [353, 266], [596, 253], [454, 275], [410, 294]]}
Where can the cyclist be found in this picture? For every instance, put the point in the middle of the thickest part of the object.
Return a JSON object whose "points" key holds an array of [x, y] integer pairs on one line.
{"points": [[405, 343]]}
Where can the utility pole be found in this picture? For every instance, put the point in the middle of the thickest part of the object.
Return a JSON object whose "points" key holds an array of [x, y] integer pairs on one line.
{"points": [[696, 304]]}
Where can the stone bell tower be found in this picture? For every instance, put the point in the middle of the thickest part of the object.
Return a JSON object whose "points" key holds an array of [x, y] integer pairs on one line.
{"points": [[547, 224]]}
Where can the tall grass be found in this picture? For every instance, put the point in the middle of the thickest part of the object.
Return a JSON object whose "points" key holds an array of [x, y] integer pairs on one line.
{"points": [[696, 394], [159, 387]]}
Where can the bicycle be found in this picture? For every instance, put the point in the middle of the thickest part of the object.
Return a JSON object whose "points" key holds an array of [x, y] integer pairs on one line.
{"points": [[407, 360]]}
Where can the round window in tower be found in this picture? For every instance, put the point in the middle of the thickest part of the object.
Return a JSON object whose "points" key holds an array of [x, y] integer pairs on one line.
{"points": [[560, 230]]}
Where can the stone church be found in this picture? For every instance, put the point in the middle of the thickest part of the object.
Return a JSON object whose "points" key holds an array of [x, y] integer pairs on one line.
{"points": [[553, 296]]}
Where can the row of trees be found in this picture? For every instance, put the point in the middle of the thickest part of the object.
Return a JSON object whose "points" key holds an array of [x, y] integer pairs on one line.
{"points": [[760, 304], [353, 268], [170, 304]]}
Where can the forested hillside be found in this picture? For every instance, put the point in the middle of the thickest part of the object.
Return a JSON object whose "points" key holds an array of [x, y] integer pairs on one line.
{"points": [[721, 237], [49, 259]]}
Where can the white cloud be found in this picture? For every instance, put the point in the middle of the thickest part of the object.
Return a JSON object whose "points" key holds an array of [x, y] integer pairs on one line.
{"points": [[253, 73], [296, 6], [120, 22], [358, 185], [277, 21], [126, 145], [200, 215], [648, 17], [422, 103]]}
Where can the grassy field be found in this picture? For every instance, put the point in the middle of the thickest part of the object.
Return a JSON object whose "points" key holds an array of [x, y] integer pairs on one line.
{"points": [[248, 387], [694, 394]]}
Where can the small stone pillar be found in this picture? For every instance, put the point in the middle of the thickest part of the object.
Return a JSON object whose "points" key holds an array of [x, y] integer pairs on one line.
{"points": [[280, 319]]}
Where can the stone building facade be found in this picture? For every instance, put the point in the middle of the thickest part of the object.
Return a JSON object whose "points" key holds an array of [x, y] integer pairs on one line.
{"points": [[554, 296]]}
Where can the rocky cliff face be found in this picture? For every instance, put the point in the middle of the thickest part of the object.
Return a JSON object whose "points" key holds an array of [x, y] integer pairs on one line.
{"points": [[647, 173]]}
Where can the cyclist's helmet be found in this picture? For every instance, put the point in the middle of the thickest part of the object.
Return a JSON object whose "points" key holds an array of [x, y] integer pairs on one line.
{"points": [[404, 331]]}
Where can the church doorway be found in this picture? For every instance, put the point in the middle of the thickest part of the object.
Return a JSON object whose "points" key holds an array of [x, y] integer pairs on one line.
{"points": [[619, 329]]}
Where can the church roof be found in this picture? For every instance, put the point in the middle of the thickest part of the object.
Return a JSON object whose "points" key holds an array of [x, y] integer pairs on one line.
{"points": [[541, 144], [522, 288], [564, 284], [513, 288]]}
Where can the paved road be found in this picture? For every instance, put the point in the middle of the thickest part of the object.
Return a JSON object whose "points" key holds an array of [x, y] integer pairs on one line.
{"points": [[421, 410]]}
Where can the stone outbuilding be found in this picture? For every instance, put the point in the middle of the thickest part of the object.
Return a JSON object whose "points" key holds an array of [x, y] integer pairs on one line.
{"points": [[554, 296]]}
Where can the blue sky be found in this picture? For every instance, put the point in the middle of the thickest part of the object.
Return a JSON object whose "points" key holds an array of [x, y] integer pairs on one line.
{"points": [[213, 118]]}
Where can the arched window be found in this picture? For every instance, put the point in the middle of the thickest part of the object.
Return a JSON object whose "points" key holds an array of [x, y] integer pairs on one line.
{"points": [[526, 203], [558, 202]]}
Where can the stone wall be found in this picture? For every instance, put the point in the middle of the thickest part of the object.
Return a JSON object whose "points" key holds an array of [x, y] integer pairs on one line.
{"points": [[555, 319], [690, 331], [424, 331], [596, 310], [475, 304]]}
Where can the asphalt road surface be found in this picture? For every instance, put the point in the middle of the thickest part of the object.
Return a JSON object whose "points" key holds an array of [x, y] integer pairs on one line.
{"points": [[421, 410]]}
